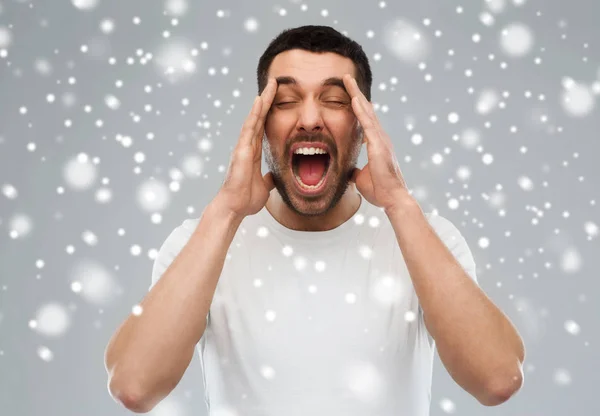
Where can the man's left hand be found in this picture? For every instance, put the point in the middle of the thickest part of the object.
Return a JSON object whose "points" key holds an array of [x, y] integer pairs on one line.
{"points": [[380, 181]]}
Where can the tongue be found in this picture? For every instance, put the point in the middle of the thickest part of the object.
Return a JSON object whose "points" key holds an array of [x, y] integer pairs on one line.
{"points": [[311, 168]]}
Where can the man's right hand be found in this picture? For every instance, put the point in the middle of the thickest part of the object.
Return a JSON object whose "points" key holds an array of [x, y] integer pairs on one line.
{"points": [[245, 190]]}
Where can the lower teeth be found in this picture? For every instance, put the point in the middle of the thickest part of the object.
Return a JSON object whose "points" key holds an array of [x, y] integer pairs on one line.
{"points": [[310, 187]]}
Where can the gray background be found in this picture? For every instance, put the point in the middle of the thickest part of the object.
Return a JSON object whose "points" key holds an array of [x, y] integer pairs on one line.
{"points": [[530, 217]]}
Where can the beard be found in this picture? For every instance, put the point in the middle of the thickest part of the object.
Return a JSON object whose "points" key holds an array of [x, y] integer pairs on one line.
{"points": [[341, 167]]}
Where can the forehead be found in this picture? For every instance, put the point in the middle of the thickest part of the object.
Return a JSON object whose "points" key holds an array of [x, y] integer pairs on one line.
{"points": [[310, 69]]}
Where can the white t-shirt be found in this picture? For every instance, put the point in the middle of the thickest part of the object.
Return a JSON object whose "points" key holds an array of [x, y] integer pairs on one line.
{"points": [[316, 323]]}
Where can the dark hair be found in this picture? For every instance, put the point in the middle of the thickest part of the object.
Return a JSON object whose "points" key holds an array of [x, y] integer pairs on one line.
{"points": [[317, 39]]}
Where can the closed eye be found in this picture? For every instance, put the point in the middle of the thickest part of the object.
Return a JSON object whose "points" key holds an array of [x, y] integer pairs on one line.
{"points": [[331, 102]]}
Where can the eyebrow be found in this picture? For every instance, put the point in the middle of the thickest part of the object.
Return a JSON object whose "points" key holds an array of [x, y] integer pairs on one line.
{"points": [[329, 82]]}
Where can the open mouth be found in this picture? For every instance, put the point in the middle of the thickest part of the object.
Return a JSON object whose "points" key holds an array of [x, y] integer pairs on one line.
{"points": [[310, 171]]}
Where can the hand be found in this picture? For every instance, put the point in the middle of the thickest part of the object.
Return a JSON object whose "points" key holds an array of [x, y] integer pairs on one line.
{"points": [[245, 190], [380, 181]]}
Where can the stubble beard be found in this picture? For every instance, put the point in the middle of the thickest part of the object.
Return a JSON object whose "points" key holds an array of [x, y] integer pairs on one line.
{"points": [[338, 181]]}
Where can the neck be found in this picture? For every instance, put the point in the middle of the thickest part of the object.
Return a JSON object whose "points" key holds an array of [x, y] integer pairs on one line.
{"points": [[336, 216]]}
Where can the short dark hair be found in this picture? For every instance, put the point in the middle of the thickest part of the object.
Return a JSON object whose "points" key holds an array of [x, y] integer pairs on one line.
{"points": [[317, 39]]}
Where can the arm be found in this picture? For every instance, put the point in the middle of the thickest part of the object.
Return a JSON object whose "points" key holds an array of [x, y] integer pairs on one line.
{"points": [[149, 353], [476, 342]]}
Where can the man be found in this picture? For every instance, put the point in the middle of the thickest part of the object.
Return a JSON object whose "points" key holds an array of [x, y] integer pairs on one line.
{"points": [[318, 288]]}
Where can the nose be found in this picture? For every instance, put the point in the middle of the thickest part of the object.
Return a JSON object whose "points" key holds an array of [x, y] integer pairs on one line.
{"points": [[310, 118]]}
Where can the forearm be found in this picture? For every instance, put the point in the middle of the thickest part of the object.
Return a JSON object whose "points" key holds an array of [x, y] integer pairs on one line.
{"points": [[151, 351], [476, 342]]}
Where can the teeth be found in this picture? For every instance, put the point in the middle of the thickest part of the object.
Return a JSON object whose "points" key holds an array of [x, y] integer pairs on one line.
{"points": [[309, 151]]}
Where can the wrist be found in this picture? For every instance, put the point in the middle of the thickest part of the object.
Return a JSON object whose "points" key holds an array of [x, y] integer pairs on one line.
{"points": [[405, 203], [219, 209]]}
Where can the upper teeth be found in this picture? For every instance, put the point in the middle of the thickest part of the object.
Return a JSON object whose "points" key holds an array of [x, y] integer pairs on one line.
{"points": [[310, 151]]}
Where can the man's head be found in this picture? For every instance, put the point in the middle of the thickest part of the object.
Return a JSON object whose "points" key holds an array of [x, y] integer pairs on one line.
{"points": [[305, 110]]}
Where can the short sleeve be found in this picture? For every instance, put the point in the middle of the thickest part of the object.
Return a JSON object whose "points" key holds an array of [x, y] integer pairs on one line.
{"points": [[171, 247], [456, 243]]}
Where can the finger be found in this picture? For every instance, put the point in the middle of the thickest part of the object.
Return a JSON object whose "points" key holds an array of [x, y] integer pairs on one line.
{"points": [[249, 128], [358, 97], [372, 133], [354, 90], [267, 97], [365, 113]]}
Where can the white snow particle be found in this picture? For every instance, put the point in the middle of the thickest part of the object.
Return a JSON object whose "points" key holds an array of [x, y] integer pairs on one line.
{"points": [[96, 284], [525, 183], [487, 19], [365, 381], [578, 100], [137, 310], [516, 40], [483, 242], [453, 118], [447, 406], [350, 298], [562, 377], [496, 6], [572, 327], [405, 41], [153, 195], [89, 238], [487, 159], [9, 191], [487, 101], [177, 7], [270, 315], [251, 25], [45, 354], [571, 261], [267, 372], [320, 266], [20, 226], [112, 102], [5, 37], [591, 229], [107, 26], [85, 4], [52, 320], [79, 173]]}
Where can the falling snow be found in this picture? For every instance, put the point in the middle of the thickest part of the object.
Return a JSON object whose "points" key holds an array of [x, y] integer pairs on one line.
{"points": [[116, 127]]}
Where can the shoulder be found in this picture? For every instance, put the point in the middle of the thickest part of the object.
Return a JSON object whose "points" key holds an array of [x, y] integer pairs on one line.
{"points": [[171, 247]]}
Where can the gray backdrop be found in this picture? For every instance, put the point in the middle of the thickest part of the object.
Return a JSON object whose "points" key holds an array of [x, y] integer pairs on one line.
{"points": [[117, 122]]}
